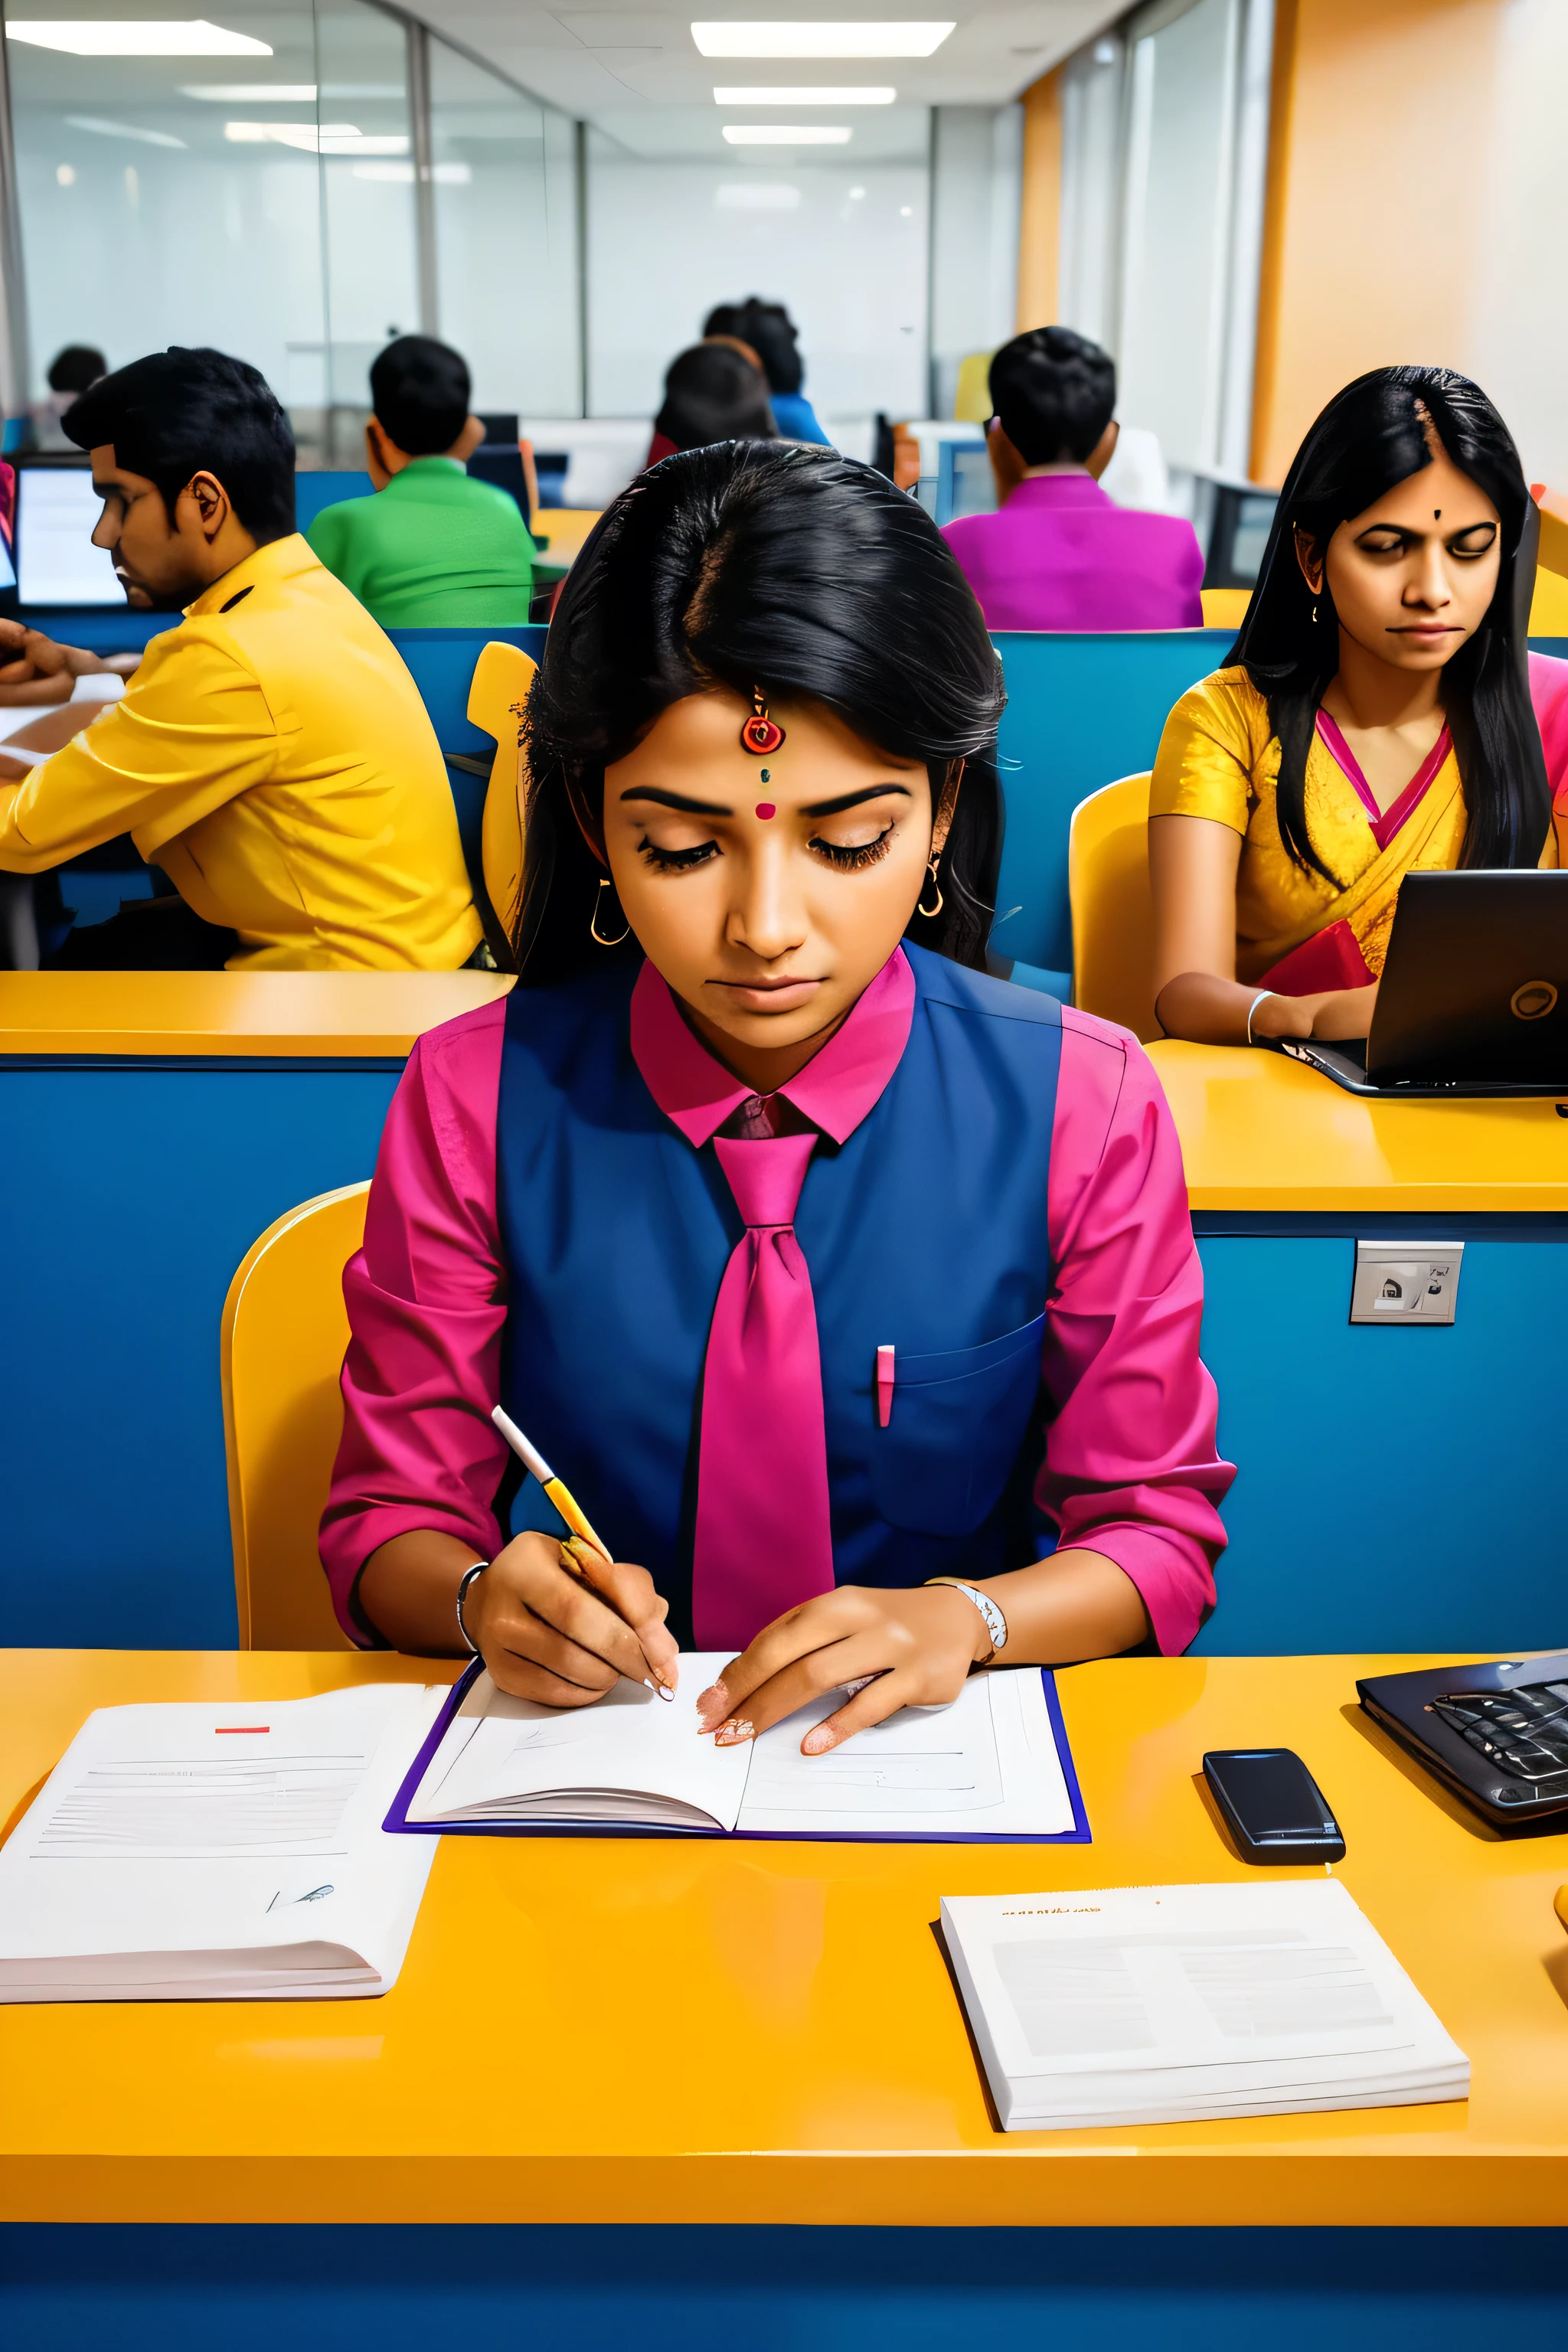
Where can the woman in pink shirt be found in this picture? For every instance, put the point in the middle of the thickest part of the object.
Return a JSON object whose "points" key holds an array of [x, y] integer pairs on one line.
{"points": [[852, 1291]]}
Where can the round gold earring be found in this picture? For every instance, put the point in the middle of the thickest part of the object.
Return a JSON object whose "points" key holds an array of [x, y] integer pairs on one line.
{"points": [[594, 933], [920, 907]]}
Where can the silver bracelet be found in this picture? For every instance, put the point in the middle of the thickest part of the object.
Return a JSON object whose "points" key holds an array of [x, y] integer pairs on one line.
{"points": [[995, 1623], [464, 1582], [1253, 1007]]}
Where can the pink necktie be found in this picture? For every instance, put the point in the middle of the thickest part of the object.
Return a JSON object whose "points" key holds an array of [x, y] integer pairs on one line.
{"points": [[763, 1541]]}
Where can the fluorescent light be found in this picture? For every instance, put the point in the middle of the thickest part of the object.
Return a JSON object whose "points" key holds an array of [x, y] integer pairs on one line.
{"points": [[143, 37], [819, 41], [330, 139], [876, 97], [755, 197], [252, 93], [123, 130], [788, 134]]}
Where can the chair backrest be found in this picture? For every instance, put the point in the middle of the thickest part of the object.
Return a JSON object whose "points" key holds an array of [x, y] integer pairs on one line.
{"points": [[502, 677], [1113, 910], [284, 1328]]}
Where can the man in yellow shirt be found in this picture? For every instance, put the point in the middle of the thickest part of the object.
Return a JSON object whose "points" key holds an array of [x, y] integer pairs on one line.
{"points": [[271, 754]]}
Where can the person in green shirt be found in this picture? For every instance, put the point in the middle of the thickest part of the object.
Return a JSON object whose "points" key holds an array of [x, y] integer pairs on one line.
{"points": [[434, 548]]}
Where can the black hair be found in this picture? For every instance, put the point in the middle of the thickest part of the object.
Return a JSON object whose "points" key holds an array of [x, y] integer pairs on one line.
{"points": [[1373, 436], [764, 564], [1054, 394], [712, 392], [771, 332], [421, 390], [79, 365], [179, 412]]}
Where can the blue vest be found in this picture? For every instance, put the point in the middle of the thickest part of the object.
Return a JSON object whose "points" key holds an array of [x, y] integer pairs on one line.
{"points": [[926, 1230]]}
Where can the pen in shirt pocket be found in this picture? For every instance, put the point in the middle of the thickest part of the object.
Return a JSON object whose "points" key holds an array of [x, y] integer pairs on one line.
{"points": [[579, 1548]]}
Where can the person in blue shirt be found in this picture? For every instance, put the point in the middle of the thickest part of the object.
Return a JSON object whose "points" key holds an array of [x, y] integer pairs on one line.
{"points": [[771, 332]]}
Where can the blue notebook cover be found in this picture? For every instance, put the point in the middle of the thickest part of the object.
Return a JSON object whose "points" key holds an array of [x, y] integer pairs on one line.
{"points": [[398, 1822]]}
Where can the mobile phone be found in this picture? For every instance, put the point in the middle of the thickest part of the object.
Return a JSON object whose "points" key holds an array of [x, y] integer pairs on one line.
{"points": [[1272, 1806]]}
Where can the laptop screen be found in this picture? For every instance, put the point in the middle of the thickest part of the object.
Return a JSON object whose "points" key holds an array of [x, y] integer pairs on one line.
{"points": [[56, 563]]}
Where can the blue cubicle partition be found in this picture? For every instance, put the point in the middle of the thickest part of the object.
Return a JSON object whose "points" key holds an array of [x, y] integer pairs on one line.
{"points": [[1395, 1489], [1080, 712], [130, 1190], [314, 491]]}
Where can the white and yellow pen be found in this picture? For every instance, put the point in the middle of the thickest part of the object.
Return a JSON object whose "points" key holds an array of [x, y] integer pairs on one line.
{"points": [[583, 1539]]}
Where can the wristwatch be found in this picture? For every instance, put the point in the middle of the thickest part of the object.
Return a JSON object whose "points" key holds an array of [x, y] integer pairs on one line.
{"points": [[995, 1623]]}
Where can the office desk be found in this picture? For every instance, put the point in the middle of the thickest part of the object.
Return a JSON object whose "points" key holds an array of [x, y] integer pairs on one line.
{"points": [[1395, 1482], [615, 2046], [153, 1124]]}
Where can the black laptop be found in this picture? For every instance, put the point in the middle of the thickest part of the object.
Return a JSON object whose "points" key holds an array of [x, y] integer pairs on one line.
{"points": [[1474, 999], [1496, 1734]]}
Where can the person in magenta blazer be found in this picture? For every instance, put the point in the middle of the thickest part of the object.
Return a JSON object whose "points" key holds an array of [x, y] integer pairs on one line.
{"points": [[1060, 555]]}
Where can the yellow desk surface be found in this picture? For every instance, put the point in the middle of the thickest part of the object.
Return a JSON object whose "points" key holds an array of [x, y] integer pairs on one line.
{"points": [[1261, 1132], [304, 1014], [596, 2030]]}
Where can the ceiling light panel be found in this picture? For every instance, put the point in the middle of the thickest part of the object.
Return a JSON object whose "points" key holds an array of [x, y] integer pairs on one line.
{"points": [[145, 38], [819, 41], [788, 134], [883, 96], [252, 93]]}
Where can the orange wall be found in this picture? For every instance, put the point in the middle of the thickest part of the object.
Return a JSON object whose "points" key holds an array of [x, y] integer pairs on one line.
{"points": [[1382, 114], [1040, 217]]}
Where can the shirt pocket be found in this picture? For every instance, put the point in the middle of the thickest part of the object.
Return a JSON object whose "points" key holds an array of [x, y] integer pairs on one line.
{"points": [[957, 1423]]}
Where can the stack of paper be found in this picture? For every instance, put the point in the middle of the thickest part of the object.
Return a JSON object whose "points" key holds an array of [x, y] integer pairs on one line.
{"points": [[219, 1853], [1174, 2004]]}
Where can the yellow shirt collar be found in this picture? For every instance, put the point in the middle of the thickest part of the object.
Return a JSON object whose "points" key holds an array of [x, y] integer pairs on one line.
{"points": [[280, 559]]}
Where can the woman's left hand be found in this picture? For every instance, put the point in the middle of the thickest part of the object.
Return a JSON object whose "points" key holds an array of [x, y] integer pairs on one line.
{"points": [[919, 1644]]}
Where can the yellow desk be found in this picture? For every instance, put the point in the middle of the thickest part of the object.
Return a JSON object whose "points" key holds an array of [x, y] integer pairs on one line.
{"points": [[1264, 1134], [1396, 1486], [155, 1123], [668, 2031]]}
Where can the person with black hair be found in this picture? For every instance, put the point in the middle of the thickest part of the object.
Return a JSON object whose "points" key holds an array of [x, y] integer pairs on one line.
{"points": [[1381, 714], [1058, 554], [855, 1288], [435, 548], [712, 392], [271, 754], [772, 333], [70, 373]]}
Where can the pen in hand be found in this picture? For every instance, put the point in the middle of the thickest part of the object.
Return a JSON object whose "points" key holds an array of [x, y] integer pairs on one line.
{"points": [[584, 1552]]}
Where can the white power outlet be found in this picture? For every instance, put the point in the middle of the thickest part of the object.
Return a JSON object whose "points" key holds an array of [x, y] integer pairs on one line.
{"points": [[1405, 1282]]}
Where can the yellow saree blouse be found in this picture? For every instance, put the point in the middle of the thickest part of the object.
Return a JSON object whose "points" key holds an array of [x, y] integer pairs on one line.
{"points": [[1219, 759]]}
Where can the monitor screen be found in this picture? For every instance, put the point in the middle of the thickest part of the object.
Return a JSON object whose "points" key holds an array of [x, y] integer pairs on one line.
{"points": [[56, 563]]}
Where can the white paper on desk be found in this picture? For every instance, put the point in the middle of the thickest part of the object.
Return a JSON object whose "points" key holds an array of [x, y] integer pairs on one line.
{"points": [[631, 1758], [987, 1766], [199, 1851], [1154, 2004]]}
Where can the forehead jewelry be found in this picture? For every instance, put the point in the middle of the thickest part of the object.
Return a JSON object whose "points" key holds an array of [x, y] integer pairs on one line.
{"points": [[760, 734]]}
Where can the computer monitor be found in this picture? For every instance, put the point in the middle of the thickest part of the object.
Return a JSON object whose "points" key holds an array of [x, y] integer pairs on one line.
{"points": [[57, 513]]}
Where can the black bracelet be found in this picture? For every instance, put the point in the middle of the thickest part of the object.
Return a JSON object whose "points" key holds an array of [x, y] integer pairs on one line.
{"points": [[464, 1582]]}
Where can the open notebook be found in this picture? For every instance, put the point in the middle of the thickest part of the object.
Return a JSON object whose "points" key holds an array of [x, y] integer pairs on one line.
{"points": [[1176, 2004], [211, 1853], [995, 1764]]}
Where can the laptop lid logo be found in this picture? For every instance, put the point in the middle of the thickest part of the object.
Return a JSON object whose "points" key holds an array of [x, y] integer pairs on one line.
{"points": [[1532, 999]]}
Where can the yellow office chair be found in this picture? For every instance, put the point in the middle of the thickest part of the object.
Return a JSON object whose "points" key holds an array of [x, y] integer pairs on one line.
{"points": [[284, 1328], [1225, 608], [1112, 912], [503, 676]]}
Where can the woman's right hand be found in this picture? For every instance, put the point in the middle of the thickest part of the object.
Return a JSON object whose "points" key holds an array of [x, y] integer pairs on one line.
{"points": [[548, 1635]]}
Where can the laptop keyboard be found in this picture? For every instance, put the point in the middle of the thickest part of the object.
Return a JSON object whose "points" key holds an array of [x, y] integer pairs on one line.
{"points": [[1523, 1732]]}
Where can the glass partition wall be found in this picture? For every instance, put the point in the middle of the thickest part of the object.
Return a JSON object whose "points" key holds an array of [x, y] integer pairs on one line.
{"points": [[323, 178]]}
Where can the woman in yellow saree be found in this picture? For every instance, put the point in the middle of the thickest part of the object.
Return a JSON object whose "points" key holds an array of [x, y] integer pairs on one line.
{"points": [[1381, 715]]}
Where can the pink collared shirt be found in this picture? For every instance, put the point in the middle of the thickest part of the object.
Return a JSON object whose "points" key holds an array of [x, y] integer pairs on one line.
{"points": [[1131, 1468]]}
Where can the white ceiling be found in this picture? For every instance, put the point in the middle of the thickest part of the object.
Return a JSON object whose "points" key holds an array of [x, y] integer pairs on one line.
{"points": [[633, 71]]}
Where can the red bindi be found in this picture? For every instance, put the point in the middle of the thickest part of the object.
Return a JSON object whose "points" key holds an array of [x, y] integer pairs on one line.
{"points": [[766, 809]]}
